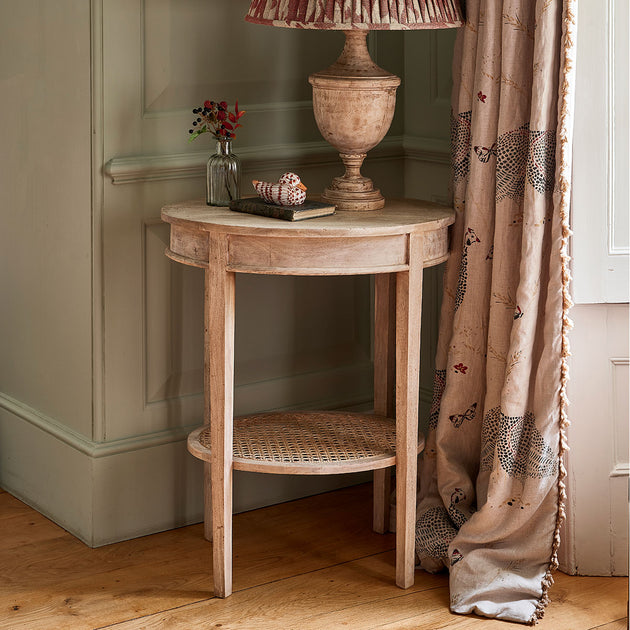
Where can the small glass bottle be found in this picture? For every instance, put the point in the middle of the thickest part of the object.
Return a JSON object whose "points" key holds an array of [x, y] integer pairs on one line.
{"points": [[223, 175]]}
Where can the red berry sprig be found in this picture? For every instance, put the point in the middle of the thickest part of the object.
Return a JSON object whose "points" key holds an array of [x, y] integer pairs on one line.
{"points": [[215, 118]]}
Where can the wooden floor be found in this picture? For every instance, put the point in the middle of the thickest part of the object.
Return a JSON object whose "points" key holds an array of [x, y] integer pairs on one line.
{"points": [[312, 564]]}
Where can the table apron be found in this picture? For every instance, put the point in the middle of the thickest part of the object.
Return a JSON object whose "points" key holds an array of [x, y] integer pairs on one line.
{"points": [[312, 255], [336, 255]]}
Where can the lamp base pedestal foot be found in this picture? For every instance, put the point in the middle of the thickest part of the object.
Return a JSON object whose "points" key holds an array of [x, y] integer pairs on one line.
{"points": [[353, 192], [359, 201]]}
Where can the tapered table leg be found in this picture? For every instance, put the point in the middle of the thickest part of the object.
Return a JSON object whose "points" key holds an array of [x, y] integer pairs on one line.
{"points": [[408, 313], [219, 349], [384, 382], [207, 473], [207, 500]]}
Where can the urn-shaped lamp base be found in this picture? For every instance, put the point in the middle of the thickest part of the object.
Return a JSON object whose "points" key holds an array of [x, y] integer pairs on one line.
{"points": [[353, 103]]}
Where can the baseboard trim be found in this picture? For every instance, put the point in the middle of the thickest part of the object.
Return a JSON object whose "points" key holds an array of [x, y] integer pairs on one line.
{"points": [[47, 424], [83, 444], [103, 495]]}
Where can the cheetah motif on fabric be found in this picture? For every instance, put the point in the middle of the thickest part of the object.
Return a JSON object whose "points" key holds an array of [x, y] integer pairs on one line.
{"points": [[521, 449], [525, 156], [437, 527], [457, 516], [462, 280], [541, 167], [434, 533], [439, 383], [460, 144]]}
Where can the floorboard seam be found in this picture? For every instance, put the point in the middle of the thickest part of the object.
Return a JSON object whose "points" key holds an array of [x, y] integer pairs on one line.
{"points": [[242, 590], [385, 599], [603, 625]]}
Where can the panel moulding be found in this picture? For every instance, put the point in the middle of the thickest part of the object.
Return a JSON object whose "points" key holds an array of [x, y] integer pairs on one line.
{"points": [[145, 168], [158, 69], [263, 108], [619, 380], [176, 366], [433, 150], [97, 147], [435, 98], [617, 141]]}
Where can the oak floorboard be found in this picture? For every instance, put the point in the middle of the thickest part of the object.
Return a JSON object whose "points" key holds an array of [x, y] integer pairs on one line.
{"points": [[312, 601], [61, 581], [356, 595], [21, 525], [312, 564]]}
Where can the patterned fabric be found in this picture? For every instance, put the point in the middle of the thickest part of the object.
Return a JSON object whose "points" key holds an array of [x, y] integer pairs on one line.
{"points": [[344, 14], [525, 156], [516, 445], [460, 145], [491, 488], [439, 383]]}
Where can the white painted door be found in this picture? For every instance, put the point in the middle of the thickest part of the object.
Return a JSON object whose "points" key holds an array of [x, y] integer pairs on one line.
{"points": [[595, 540]]}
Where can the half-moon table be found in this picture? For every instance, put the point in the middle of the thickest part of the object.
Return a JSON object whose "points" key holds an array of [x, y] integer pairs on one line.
{"points": [[395, 244]]}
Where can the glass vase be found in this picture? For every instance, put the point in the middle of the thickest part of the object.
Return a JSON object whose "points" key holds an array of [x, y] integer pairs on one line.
{"points": [[223, 175]]}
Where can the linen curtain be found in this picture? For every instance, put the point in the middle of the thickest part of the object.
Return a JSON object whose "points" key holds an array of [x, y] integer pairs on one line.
{"points": [[491, 489]]}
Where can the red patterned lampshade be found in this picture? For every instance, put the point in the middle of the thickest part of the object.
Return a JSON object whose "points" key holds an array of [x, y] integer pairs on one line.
{"points": [[356, 14], [354, 99]]}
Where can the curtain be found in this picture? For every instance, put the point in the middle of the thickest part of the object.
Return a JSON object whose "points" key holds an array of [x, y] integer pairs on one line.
{"points": [[491, 479]]}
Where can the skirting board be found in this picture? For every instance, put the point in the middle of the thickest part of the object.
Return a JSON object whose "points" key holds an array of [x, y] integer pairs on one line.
{"points": [[124, 494]]}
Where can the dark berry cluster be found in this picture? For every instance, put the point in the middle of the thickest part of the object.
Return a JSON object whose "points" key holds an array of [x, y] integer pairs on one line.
{"points": [[215, 118]]}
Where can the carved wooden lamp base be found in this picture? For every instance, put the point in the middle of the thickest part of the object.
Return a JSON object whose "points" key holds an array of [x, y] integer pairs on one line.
{"points": [[353, 191], [353, 102]]}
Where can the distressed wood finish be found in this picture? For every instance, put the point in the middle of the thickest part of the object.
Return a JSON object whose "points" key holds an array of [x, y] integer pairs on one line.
{"points": [[395, 244], [384, 384], [220, 375], [353, 103], [408, 317], [400, 216], [317, 255]]}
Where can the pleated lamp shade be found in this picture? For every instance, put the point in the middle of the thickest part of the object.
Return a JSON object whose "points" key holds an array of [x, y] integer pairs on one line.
{"points": [[357, 14]]}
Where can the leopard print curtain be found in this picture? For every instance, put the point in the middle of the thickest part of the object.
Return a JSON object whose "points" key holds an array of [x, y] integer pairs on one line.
{"points": [[491, 486]]}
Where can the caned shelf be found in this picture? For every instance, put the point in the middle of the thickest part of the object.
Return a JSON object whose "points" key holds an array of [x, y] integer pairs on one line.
{"points": [[307, 442]]}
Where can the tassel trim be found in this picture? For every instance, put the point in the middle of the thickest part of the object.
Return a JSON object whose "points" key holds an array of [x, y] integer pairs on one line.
{"points": [[564, 185]]}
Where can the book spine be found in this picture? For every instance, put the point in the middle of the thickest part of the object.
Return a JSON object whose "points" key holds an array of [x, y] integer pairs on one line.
{"points": [[266, 211]]}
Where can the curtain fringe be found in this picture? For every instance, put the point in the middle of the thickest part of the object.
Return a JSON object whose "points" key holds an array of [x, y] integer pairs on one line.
{"points": [[564, 132]]}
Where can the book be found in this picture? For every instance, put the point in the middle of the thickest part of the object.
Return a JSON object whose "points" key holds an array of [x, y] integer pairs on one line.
{"points": [[308, 210]]}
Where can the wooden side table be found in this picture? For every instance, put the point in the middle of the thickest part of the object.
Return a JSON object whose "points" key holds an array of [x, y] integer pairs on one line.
{"points": [[395, 244]]}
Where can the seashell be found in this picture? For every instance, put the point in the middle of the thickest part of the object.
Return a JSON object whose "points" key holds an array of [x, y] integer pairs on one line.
{"points": [[288, 191]]}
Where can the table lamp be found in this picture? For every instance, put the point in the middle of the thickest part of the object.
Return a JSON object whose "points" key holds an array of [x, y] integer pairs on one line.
{"points": [[354, 99]]}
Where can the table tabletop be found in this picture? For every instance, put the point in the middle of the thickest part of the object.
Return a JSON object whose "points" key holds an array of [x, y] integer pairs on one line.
{"points": [[400, 216]]}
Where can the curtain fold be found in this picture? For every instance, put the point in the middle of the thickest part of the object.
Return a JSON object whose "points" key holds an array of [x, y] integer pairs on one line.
{"points": [[491, 489]]}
